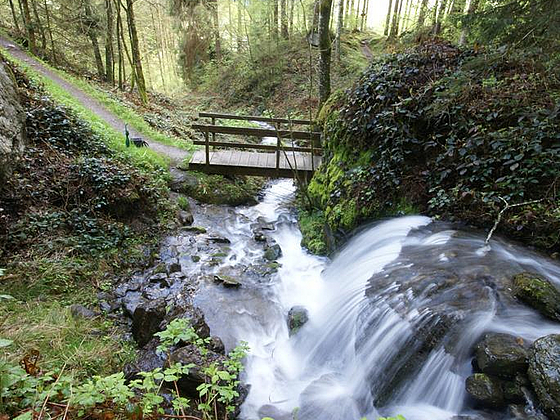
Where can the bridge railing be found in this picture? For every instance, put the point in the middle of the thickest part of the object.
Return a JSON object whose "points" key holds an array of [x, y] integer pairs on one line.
{"points": [[279, 132]]}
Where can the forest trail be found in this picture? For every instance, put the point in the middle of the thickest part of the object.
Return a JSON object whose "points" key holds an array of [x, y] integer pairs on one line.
{"points": [[176, 154], [366, 50]]}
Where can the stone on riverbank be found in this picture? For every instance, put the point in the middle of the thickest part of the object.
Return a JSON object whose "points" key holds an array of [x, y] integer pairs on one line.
{"points": [[538, 293], [544, 373], [501, 355]]}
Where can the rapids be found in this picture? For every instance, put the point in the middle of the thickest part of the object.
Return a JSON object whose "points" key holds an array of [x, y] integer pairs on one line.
{"points": [[392, 321]]}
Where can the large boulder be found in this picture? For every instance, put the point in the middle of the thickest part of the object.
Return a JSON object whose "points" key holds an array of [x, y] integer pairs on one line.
{"points": [[544, 373], [297, 317], [539, 293], [501, 355], [12, 121]]}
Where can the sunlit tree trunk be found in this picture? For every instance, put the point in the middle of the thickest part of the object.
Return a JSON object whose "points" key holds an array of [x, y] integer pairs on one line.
{"points": [[109, 54], [388, 19], [158, 33], [135, 48], [473, 6], [339, 28], [213, 6], [239, 26], [395, 24], [91, 32], [120, 56], [364, 15], [291, 18], [274, 26], [325, 51], [357, 15]]}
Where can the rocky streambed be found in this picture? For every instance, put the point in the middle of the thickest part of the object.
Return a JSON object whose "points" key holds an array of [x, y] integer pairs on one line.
{"points": [[412, 317]]}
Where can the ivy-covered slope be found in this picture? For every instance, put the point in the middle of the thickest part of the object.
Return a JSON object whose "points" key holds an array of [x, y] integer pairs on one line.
{"points": [[458, 134]]}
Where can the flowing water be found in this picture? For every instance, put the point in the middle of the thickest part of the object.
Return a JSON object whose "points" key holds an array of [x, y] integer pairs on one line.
{"points": [[392, 321]]}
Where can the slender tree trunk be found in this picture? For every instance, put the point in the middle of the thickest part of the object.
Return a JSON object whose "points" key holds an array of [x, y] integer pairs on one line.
{"points": [[39, 25], [274, 25], [473, 6], [434, 14], [239, 26], [339, 28], [159, 51], [440, 17], [325, 51], [49, 29], [350, 15], [109, 54], [284, 19], [29, 29], [136, 55], [119, 46], [388, 19], [395, 24], [346, 12], [407, 10], [357, 15], [213, 5], [291, 19], [423, 11], [14, 16], [364, 15], [92, 35]]}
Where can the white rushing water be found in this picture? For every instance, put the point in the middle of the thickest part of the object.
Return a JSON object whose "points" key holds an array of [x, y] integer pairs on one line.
{"points": [[372, 310]]}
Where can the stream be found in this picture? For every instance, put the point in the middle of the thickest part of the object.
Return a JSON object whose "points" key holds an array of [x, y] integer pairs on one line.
{"points": [[392, 318]]}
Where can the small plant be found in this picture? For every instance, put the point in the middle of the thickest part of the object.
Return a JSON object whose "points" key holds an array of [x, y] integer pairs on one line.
{"points": [[183, 203]]}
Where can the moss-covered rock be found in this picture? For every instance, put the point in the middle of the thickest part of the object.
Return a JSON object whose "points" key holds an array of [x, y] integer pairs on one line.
{"points": [[217, 189], [501, 355], [544, 373], [486, 390], [539, 293]]}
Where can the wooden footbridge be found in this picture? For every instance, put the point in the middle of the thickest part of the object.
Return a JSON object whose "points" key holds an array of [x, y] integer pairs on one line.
{"points": [[293, 153]]}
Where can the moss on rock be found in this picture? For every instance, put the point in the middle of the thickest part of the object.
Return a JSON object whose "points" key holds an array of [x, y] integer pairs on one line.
{"points": [[539, 293]]}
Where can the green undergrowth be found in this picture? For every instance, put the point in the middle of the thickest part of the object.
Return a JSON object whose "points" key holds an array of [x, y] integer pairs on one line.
{"points": [[75, 216], [34, 390], [452, 133]]}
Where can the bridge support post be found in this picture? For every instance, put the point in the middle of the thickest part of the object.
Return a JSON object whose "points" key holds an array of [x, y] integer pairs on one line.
{"points": [[207, 140], [278, 146]]}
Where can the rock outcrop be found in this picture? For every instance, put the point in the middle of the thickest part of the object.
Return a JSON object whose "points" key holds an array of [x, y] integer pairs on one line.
{"points": [[12, 121], [544, 373]]}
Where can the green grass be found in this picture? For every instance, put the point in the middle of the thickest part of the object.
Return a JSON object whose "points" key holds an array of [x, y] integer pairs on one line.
{"points": [[113, 138]]}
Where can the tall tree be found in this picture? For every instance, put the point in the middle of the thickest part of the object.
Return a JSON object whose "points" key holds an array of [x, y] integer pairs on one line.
{"points": [[28, 23], [325, 51], [109, 54], [440, 17], [473, 6], [388, 19], [423, 12], [274, 26], [49, 29], [339, 28], [91, 24], [39, 25], [14, 16], [284, 19], [396, 16], [136, 55]]}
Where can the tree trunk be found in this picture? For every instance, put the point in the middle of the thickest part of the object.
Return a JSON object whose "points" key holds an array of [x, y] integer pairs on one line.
{"points": [[239, 26], [283, 19], [14, 16], [49, 29], [119, 45], [109, 54], [388, 19], [406, 18], [160, 50], [39, 25], [213, 5], [92, 35], [423, 11], [473, 6], [291, 19], [364, 15], [339, 28], [440, 17], [325, 51], [395, 24], [274, 26], [30, 31], [136, 55], [357, 15]]}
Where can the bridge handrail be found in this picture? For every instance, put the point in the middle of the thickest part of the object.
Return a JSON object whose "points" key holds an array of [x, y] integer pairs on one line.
{"points": [[254, 118], [269, 147], [258, 132]]}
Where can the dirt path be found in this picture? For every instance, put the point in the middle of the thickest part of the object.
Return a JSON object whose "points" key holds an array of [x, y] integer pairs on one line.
{"points": [[174, 153], [366, 50]]}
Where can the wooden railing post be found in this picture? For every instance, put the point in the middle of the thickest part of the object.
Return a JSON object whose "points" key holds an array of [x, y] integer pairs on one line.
{"points": [[207, 139], [278, 145], [213, 134]]}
